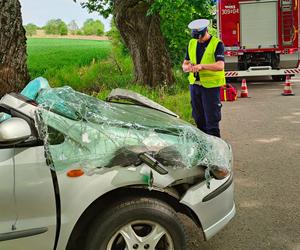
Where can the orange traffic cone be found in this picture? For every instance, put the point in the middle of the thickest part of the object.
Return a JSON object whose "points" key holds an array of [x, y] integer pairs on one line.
{"points": [[287, 87], [244, 91]]}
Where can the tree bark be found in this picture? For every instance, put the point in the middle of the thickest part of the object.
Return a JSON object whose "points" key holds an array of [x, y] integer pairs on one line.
{"points": [[143, 37], [13, 69]]}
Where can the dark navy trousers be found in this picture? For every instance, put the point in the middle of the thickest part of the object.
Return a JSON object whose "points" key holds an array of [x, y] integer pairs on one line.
{"points": [[206, 108]]}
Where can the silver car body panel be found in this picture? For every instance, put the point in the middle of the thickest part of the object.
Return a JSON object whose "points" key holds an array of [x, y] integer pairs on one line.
{"points": [[33, 200], [88, 188], [77, 194], [213, 214], [7, 205]]}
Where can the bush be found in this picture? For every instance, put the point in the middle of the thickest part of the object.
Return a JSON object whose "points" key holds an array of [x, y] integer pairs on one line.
{"points": [[93, 27], [31, 29], [63, 31], [56, 27], [79, 32]]}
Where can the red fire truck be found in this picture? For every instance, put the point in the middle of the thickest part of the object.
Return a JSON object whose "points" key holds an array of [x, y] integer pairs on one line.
{"points": [[261, 37]]}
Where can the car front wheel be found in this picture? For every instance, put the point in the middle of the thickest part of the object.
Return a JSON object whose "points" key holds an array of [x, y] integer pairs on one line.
{"points": [[140, 223]]}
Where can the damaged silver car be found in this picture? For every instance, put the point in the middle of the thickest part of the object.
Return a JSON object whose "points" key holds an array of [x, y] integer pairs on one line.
{"points": [[125, 173]]}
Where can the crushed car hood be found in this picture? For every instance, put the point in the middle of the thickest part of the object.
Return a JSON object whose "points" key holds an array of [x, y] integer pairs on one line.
{"points": [[80, 130]]}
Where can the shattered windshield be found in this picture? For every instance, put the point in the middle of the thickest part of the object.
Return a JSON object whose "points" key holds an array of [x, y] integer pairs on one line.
{"points": [[124, 94], [94, 134]]}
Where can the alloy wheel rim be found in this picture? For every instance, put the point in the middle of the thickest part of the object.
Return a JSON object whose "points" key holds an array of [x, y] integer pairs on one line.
{"points": [[141, 235]]}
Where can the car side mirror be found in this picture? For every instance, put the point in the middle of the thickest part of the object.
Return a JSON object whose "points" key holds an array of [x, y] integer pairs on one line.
{"points": [[14, 130]]}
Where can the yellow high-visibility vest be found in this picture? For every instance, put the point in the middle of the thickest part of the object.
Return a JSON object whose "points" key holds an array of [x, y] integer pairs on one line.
{"points": [[208, 78]]}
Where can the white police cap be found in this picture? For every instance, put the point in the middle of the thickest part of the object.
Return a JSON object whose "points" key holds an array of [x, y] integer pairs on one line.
{"points": [[199, 24]]}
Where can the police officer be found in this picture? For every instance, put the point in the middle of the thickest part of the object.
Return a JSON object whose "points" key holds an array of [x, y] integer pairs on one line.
{"points": [[204, 61]]}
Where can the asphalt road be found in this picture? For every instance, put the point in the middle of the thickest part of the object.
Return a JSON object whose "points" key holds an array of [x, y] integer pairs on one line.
{"points": [[264, 131]]}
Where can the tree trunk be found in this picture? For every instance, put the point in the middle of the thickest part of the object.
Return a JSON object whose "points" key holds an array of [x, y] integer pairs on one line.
{"points": [[13, 69], [143, 37]]}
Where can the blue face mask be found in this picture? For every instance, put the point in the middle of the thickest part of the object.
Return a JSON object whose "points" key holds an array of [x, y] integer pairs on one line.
{"points": [[197, 34]]}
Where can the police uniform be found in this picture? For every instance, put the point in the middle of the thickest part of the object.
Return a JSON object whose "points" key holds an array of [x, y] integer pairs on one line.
{"points": [[205, 84]]}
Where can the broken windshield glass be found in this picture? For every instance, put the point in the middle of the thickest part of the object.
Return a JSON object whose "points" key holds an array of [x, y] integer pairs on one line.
{"points": [[99, 134], [127, 95]]}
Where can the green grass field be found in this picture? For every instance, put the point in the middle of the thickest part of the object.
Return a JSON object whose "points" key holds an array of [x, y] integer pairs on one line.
{"points": [[46, 54], [95, 68], [58, 59]]}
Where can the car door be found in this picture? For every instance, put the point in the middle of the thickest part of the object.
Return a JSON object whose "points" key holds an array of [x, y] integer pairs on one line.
{"points": [[7, 205], [30, 206]]}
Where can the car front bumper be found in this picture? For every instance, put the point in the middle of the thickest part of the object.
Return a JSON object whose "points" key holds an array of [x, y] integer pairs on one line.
{"points": [[214, 206]]}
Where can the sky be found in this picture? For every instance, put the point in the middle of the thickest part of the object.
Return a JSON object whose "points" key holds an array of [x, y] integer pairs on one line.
{"points": [[41, 11]]}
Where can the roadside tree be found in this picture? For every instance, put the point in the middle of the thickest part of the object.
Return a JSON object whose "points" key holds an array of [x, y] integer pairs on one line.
{"points": [[154, 32], [13, 69], [73, 27], [56, 27], [31, 29], [93, 27]]}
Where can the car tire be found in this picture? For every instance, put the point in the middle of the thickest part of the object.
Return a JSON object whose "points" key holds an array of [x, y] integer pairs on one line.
{"points": [[147, 218]]}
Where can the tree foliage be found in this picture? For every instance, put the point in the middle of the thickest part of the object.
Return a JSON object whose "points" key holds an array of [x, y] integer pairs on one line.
{"points": [[56, 27], [73, 27], [155, 31], [93, 27], [104, 7], [175, 15], [31, 29]]}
